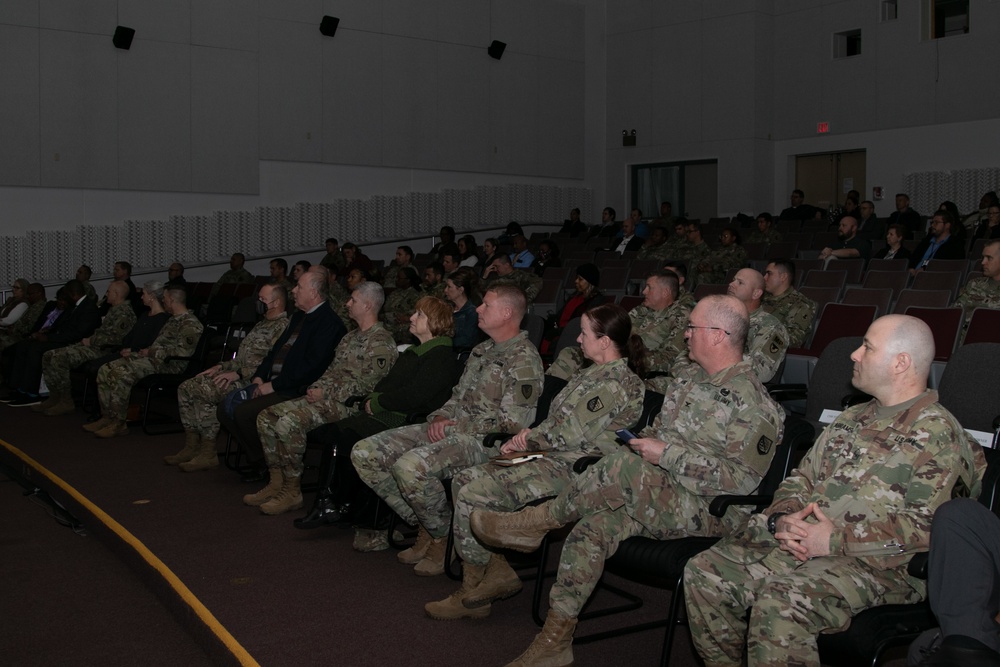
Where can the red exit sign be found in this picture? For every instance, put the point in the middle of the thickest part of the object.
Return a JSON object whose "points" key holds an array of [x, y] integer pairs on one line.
{"points": [[822, 128]]}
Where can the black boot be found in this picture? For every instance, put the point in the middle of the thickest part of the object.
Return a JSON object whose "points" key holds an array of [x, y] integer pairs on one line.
{"points": [[324, 510], [323, 513]]}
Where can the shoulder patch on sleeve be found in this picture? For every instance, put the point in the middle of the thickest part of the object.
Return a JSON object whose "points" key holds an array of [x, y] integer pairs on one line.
{"points": [[764, 445], [527, 390], [595, 404]]}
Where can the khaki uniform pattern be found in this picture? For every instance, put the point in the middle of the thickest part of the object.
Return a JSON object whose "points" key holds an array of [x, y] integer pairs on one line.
{"points": [[582, 421], [721, 431], [772, 235], [980, 292], [338, 302], [20, 329], [57, 363], [793, 309], [178, 337], [232, 276], [721, 261], [199, 397], [660, 252], [529, 283], [498, 392], [399, 306], [767, 342], [363, 358], [877, 473]]}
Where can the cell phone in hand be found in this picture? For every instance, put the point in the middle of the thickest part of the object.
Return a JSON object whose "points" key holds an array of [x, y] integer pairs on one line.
{"points": [[625, 435]]}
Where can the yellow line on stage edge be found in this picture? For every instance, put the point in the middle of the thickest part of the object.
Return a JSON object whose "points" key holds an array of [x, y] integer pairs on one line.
{"points": [[183, 591]]}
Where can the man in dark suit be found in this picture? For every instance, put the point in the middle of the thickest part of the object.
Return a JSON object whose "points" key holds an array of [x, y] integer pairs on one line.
{"points": [[629, 240], [76, 323], [939, 243], [297, 359]]}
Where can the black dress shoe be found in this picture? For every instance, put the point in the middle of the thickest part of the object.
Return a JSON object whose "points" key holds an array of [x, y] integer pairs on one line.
{"points": [[255, 475], [323, 513]]}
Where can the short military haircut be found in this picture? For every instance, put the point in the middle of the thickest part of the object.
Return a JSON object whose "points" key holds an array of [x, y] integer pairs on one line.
{"points": [[282, 263], [371, 293], [513, 297], [668, 279], [503, 259], [279, 292], [679, 268], [913, 337], [126, 266], [304, 263], [729, 313], [765, 216], [440, 315], [785, 265], [798, 192], [178, 294], [332, 240], [36, 289], [349, 246], [438, 268]]}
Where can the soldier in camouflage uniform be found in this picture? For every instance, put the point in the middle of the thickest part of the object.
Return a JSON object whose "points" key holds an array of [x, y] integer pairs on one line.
{"points": [[178, 338], [404, 258], [842, 528], [656, 246], [236, 274], [679, 269], [677, 242], [582, 421], [983, 291], [660, 321], [433, 283], [199, 397], [715, 435], [57, 363], [364, 356], [500, 272], [766, 232], [18, 331], [401, 304], [714, 268], [767, 341], [498, 391], [695, 252], [792, 308]]}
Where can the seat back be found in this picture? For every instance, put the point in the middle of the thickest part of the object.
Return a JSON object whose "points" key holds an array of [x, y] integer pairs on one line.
{"points": [[949, 280], [827, 278], [928, 298], [568, 336], [854, 267], [839, 320], [984, 327], [878, 297], [970, 385], [945, 324], [831, 378], [894, 280], [888, 265]]}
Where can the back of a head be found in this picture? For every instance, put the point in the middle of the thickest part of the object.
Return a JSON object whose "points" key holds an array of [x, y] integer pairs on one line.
{"points": [[154, 288], [74, 289], [729, 313], [177, 294], [613, 321], [514, 298], [372, 293], [911, 336]]}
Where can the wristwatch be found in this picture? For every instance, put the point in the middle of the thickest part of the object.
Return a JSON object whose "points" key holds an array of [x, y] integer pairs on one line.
{"points": [[772, 521]]}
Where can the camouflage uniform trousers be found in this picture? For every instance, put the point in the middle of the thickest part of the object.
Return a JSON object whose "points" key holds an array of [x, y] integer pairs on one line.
{"points": [[405, 469], [504, 489], [198, 399], [619, 497], [115, 380], [790, 603], [57, 363], [283, 429]]}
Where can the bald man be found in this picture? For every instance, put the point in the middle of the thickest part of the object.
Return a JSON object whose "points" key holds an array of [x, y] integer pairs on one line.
{"points": [[767, 340], [842, 528]]}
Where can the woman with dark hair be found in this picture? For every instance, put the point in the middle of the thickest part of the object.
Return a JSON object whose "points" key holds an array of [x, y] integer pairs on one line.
{"points": [[420, 382], [582, 420], [587, 295], [468, 251], [461, 287], [400, 304], [16, 305], [491, 248]]}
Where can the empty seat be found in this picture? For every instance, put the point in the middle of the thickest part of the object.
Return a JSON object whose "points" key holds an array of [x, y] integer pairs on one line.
{"points": [[888, 264], [826, 278], [854, 267], [705, 289], [804, 266], [838, 320], [782, 250], [949, 280], [945, 324], [879, 297], [894, 280], [984, 327], [821, 295], [927, 298]]}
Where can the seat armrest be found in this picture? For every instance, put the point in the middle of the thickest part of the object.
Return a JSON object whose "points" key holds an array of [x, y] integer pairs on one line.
{"points": [[355, 400], [494, 439], [722, 503], [585, 462], [787, 392], [917, 567]]}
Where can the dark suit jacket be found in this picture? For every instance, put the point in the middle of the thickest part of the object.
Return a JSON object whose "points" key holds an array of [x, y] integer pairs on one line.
{"points": [[632, 245], [77, 324], [309, 356], [49, 307], [953, 248]]}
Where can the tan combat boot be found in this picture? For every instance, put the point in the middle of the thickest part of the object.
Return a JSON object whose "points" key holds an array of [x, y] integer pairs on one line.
{"points": [[192, 444], [416, 553], [206, 457], [65, 406], [94, 427], [270, 491], [553, 646], [288, 499], [521, 531], [451, 608], [114, 428], [499, 583], [432, 564], [52, 400]]}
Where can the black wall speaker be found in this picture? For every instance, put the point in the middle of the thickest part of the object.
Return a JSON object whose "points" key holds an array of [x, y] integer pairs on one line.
{"points": [[123, 37], [328, 26], [496, 49]]}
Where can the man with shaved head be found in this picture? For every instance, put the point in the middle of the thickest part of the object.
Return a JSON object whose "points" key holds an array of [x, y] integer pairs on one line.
{"points": [[767, 340], [843, 526]]}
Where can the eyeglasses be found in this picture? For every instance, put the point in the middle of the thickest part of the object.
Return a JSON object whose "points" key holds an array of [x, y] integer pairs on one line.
{"points": [[692, 326]]}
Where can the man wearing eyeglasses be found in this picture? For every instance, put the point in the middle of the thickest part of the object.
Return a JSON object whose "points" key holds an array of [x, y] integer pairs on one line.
{"points": [[715, 435]]}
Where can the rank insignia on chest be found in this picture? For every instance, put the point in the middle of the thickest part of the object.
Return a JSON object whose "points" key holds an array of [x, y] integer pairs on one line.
{"points": [[764, 444], [527, 390], [595, 404]]}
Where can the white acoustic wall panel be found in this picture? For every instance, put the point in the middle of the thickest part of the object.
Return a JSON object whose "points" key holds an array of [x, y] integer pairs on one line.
{"points": [[352, 98], [290, 93], [224, 118], [11, 260], [154, 117], [19, 123], [79, 111], [409, 103], [225, 24]]}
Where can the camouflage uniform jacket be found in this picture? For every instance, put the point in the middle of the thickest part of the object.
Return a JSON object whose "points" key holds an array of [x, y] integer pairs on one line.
{"points": [[116, 324], [721, 261], [402, 302], [662, 331], [770, 236], [675, 247], [695, 255], [255, 346], [362, 359], [338, 302], [767, 342], [435, 291], [26, 322], [661, 251], [526, 280], [178, 338], [980, 292], [498, 390], [584, 416], [239, 275], [878, 473], [334, 261], [793, 309], [720, 430], [686, 299]]}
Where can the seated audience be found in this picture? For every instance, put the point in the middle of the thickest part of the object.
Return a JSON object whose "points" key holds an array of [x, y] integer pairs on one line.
{"points": [[870, 227], [766, 231], [548, 255], [25, 324], [989, 228], [235, 275], [333, 260], [468, 251], [851, 245], [491, 249], [461, 288], [16, 305], [404, 258], [586, 296], [502, 271], [521, 257], [400, 304], [938, 244], [894, 248], [715, 267], [982, 291], [788, 305]]}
